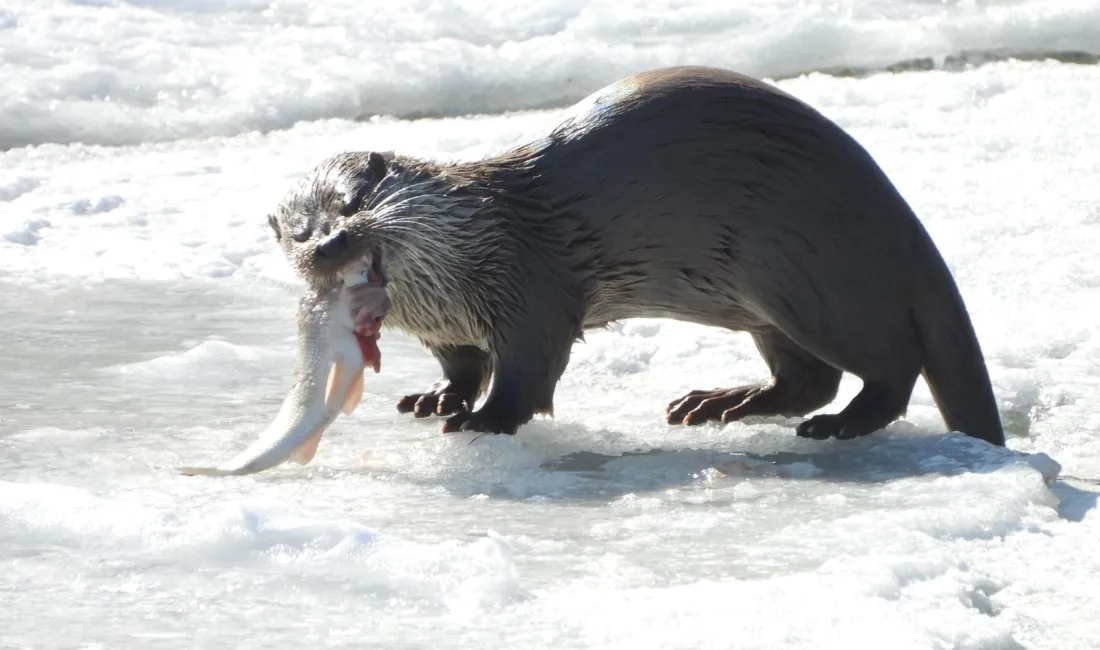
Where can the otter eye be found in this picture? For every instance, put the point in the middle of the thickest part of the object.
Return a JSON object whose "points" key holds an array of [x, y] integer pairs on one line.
{"points": [[353, 205], [274, 223]]}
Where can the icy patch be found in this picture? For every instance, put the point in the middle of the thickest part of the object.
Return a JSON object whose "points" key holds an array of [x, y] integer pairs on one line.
{"points": [[612, 529], [26, 234], [206, 360], [71, 514], [129, 72], [12, 190], [463, 577], [102, 204]]}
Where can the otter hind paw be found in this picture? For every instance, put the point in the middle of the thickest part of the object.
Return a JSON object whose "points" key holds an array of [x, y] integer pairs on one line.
{"points": [[479, 422]]}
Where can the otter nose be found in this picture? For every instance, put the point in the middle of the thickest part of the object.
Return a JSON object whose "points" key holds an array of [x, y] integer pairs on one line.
{"points": [[333, 246]]}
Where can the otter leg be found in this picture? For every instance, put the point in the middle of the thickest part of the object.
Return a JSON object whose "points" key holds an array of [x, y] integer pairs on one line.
{"points": [[879, 403], [887, 358], [528, 360], [800, 383], [466, 371]]}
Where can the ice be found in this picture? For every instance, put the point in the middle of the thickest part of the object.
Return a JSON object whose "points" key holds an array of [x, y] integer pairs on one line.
{"points": [[115, 72], [147, 321], [240, 546]]}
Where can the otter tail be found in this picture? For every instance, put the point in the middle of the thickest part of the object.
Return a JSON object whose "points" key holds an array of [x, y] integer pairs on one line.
{"points": [[953, 363]]}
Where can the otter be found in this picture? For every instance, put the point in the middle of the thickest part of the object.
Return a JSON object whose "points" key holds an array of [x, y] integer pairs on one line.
{"points": [[688, 193]]}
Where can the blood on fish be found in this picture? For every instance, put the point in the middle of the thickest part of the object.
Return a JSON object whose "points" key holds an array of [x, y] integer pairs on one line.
{"points": [[368, 344]]}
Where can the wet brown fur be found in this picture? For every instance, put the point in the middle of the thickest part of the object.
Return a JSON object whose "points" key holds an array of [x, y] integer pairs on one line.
{"points": [[688, 193]]}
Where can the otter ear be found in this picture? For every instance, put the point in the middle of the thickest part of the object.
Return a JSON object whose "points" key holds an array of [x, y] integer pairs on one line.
{"points": [[274, 223], [368, 179], [376, 162]]}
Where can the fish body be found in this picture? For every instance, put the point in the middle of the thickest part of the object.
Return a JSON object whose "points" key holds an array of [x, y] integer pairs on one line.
{"points": [[328, 379]]}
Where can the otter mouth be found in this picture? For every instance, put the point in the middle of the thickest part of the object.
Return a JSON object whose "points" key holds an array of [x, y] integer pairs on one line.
{"points": [[376, 273], [365, 291]]}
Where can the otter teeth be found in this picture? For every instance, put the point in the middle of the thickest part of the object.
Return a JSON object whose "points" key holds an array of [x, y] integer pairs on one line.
{"points": [[367, 271], [375, 274]]}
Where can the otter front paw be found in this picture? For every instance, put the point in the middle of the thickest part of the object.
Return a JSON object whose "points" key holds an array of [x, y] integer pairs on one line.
{"points": [[440, 401], [480, 422]]}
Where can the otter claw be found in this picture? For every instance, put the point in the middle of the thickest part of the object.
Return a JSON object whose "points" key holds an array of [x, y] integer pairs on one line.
{"points": [[450, 403], [476, 423], [422, 405]]}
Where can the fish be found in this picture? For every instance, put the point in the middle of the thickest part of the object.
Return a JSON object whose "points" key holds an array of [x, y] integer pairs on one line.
{"points": [[328, 379]]}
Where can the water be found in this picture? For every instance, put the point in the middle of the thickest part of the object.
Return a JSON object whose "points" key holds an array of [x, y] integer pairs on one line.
{"points": [[146, 321]]}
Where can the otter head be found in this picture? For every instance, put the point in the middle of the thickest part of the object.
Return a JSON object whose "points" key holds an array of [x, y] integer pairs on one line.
{"points": [[405, 228], [315, 224]]}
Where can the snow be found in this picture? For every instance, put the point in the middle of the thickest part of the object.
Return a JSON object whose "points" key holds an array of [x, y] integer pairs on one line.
{"points": [[118, 72], [146, 321]]}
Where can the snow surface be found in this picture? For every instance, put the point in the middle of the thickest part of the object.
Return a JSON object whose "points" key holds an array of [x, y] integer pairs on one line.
{"points": [[146, 321], [118, 72]]}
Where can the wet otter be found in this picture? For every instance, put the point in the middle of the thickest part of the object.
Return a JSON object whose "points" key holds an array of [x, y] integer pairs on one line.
{"points": [[688, 193]]}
